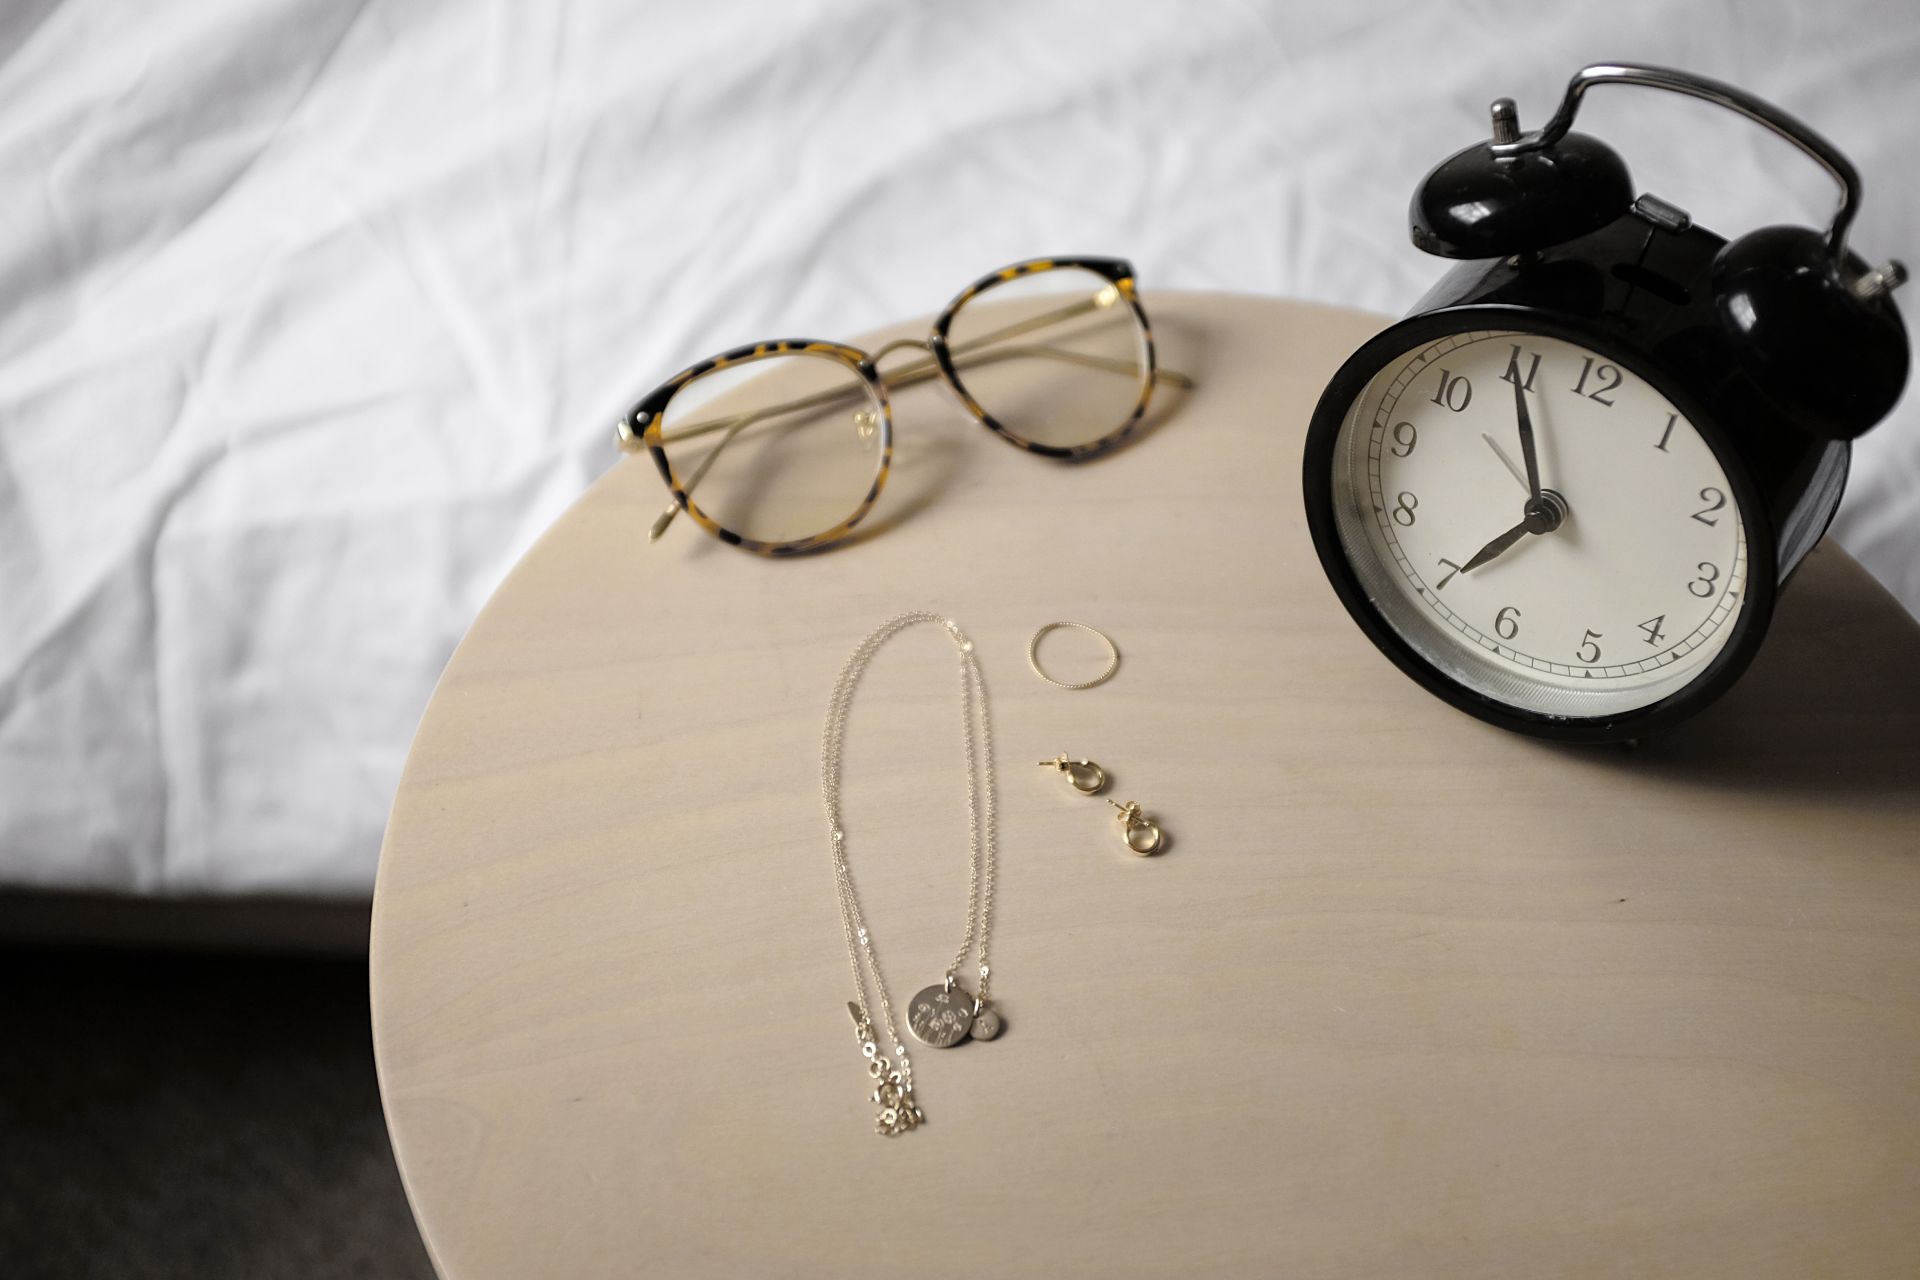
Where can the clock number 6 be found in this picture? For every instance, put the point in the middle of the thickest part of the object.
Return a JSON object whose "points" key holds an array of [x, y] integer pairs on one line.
{"points": [[1586, 643], [1444, 394], [1506, 623], [1702, 586]]}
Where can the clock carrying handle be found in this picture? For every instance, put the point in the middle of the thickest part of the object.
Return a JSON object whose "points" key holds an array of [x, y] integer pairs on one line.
{"points": [[1776, 121]]}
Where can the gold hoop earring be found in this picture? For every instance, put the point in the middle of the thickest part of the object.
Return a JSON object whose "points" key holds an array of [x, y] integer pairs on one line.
{"points": [[1087, 777], [1138, 830]]}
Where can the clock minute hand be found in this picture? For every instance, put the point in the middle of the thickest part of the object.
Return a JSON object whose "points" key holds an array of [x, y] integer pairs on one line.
{"points": [[1527, 454]]}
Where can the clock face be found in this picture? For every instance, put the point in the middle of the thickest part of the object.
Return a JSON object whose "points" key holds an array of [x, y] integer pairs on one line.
{"points": [[1612, 589]]}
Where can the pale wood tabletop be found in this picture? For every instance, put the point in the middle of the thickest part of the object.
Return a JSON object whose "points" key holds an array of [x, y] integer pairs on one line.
{"points": [[1407, 996]]}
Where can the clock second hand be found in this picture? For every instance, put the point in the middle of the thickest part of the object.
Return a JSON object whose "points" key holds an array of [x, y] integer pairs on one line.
{"points": [[1501, 454]]}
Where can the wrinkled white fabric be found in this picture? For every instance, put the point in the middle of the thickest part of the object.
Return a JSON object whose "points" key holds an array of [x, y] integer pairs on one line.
{"points": [[316, 313]]}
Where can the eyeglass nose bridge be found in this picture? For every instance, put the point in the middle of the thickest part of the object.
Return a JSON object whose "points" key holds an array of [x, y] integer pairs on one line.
{"points": [[899, 344], [928, 367]]}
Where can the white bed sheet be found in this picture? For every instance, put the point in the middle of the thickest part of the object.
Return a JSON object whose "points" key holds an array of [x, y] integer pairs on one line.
{"points": [[316, 314]]}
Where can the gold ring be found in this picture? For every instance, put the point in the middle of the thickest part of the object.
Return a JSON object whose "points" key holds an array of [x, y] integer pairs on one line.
{"points": [[1113, 663]]}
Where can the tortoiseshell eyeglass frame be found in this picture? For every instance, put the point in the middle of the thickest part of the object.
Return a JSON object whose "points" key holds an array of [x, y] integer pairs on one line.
{"points": [[641, 427]]}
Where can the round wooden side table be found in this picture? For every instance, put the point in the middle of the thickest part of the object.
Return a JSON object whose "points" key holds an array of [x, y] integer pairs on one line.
{"points": [[1406, 996]]}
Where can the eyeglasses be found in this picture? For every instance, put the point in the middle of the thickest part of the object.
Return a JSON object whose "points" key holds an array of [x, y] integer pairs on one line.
{"points": [[788, 444]]}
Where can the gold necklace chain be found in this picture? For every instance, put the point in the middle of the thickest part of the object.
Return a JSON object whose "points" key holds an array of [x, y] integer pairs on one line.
{"points": [[942, 1015]]}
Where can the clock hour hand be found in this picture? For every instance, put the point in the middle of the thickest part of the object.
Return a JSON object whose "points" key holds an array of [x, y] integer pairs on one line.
{"points": [[1527, 454], [1544, 515], [1498, 545]]}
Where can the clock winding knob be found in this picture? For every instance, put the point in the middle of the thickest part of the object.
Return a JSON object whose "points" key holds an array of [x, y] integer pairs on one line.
{"points": [[1880, 281], [1506, 120]]}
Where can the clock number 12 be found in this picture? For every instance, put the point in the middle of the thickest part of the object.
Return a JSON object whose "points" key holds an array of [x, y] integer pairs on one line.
{"points": [[1606, 378]]}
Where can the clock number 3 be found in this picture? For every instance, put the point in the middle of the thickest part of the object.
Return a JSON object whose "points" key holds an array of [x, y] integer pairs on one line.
{"points": [[1702, 586]]}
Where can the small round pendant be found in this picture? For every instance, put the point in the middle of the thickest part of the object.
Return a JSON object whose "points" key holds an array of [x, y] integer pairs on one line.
{"points": [[940, 1016], [986, 1024]]}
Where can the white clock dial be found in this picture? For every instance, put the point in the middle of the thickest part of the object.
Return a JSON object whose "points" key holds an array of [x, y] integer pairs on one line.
{"points": [[1613, 590]]}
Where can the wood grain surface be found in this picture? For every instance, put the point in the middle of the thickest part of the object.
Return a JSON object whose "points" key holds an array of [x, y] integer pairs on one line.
{"points": [[1407, 995]]}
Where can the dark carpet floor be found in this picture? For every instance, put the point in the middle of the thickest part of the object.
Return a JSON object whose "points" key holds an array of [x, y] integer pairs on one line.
{"points": [[165, 1115]]}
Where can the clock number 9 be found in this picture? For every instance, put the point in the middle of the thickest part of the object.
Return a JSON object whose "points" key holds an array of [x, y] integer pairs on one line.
{"points": [[1702, 586], [1506, 624], [1405, 436], [1444, 394]]}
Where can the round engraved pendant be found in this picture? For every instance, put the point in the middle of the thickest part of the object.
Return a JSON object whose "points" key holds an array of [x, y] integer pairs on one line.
{"points": [[941, 1015], [986, 1024]]}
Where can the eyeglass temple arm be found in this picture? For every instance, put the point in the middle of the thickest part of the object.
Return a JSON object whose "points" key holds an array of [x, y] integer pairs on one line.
{"points": [[665, 518], [1105, 298], [733, 426], [927, 368], [908, 375]]}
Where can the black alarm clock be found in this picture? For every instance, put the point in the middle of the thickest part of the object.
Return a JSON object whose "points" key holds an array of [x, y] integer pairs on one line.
{"points": [[1563, 493]]}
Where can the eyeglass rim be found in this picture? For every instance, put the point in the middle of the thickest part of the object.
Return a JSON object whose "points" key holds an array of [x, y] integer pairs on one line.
{"points": [[652, 409], [644, 419], [1116, 271]]}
